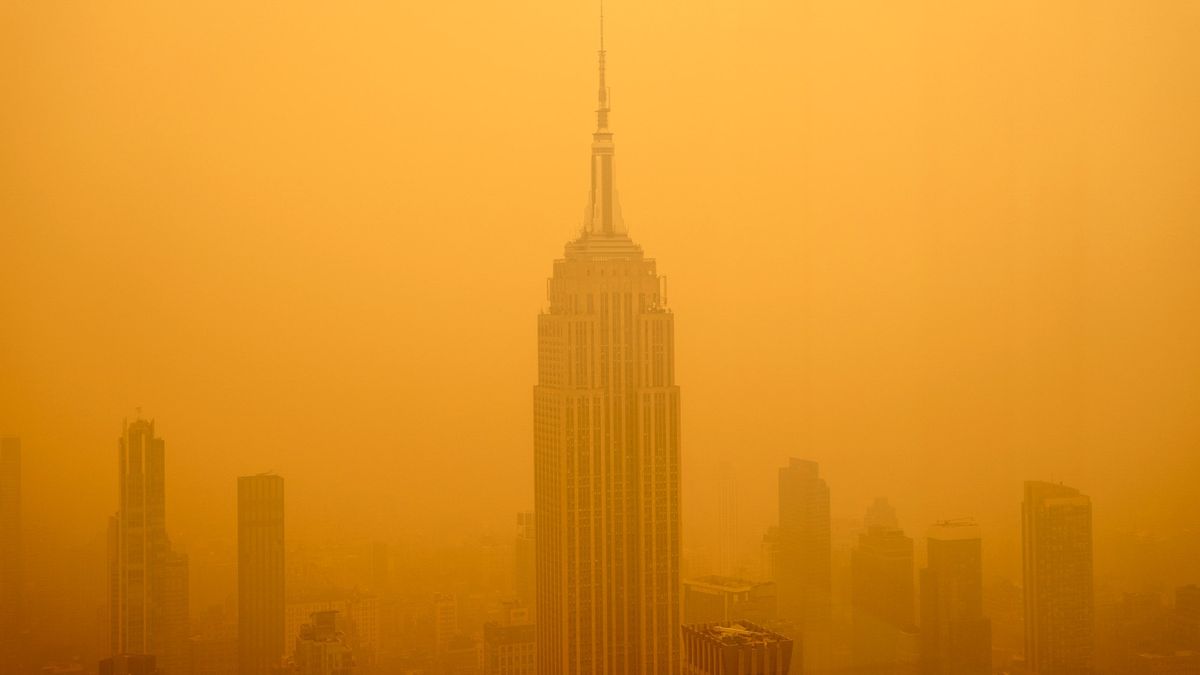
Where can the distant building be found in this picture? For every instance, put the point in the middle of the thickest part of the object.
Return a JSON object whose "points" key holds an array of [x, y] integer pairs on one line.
{"points": [[715, 599], [1185, 619], [261, 605], [463, 656], [509, 648], [882, 597], [955, 636], [129, 664], [881, 514], [525, 560], [321, 647], [805, 559], [358, 621], [445, 622], [736, 648], [11, 619], [1059, 603], [148, 587]]}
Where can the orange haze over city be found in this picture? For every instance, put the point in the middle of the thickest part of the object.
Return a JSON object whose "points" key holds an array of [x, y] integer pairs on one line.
{"points": [[938, 248]]}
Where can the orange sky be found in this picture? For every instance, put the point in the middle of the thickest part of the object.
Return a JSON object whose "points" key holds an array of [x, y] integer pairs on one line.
{"points": [[939, 247]]}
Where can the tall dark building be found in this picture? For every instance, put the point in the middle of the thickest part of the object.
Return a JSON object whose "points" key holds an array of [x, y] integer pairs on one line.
{"points": [[881, 570], [1059, 603], [260, 574], [11, 579], [148, 593], [804, 562], [606, 449], [956, 639]]}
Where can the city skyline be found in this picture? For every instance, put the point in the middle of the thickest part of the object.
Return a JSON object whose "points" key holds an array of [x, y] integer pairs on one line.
{"points": [[928, 265]]}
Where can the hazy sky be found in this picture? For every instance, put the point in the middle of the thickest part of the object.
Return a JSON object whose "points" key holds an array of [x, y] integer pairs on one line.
{"points": [[939, 247]]}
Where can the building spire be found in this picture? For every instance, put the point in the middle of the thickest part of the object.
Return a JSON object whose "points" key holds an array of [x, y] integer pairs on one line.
{"points": [[602, 110], [603, 215]]}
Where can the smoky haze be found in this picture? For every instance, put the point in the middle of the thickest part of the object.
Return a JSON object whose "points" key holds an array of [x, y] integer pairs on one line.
{"points": [[939, 248]]}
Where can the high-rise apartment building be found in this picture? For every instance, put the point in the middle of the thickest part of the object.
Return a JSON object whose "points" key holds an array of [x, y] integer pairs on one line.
{"points": [[606, 449], [261, 600], [1056, 546], [148, 596], [11, 624], [956, 638], [804, 559], [737, 648]]}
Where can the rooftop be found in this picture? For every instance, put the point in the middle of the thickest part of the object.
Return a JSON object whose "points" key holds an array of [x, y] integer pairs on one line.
{"points": [[739, 633]]}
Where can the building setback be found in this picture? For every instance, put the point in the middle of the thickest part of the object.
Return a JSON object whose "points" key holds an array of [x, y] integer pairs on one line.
{"points": [[606, 450]]}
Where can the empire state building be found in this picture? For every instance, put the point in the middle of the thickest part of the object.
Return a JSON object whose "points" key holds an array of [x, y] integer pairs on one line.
{"points": [[606, 449]]}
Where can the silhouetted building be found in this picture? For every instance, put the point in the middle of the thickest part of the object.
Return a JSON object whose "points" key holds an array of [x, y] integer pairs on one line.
{"points": [[525, 559], [1057, 553], [509, 648], [955, 636], [881, 514], [11, 617], [714, 599], [736, 648], [882, 596], [804, 561], [148, 594], [358, 621], [261, 601], [607, 444], [1185, 618], [321, 647], [129, 664]]}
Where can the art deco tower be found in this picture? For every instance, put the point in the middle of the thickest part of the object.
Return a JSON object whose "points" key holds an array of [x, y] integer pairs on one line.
{"points": [[606, 450]]}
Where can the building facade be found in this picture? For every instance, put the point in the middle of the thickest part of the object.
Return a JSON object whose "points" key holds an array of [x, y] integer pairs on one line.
{"points": [[606, 449], [882, 597], [261, 600], [148, 593], [1056, 545], [955, 636], [736, 648]]}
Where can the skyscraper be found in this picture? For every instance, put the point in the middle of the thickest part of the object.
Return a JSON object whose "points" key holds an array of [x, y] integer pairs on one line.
{"points": [[606, 449], [882, 596], [804, 564], [10, 553], [148, 599], [1057, 554], [260, 573], [955, 636]]}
